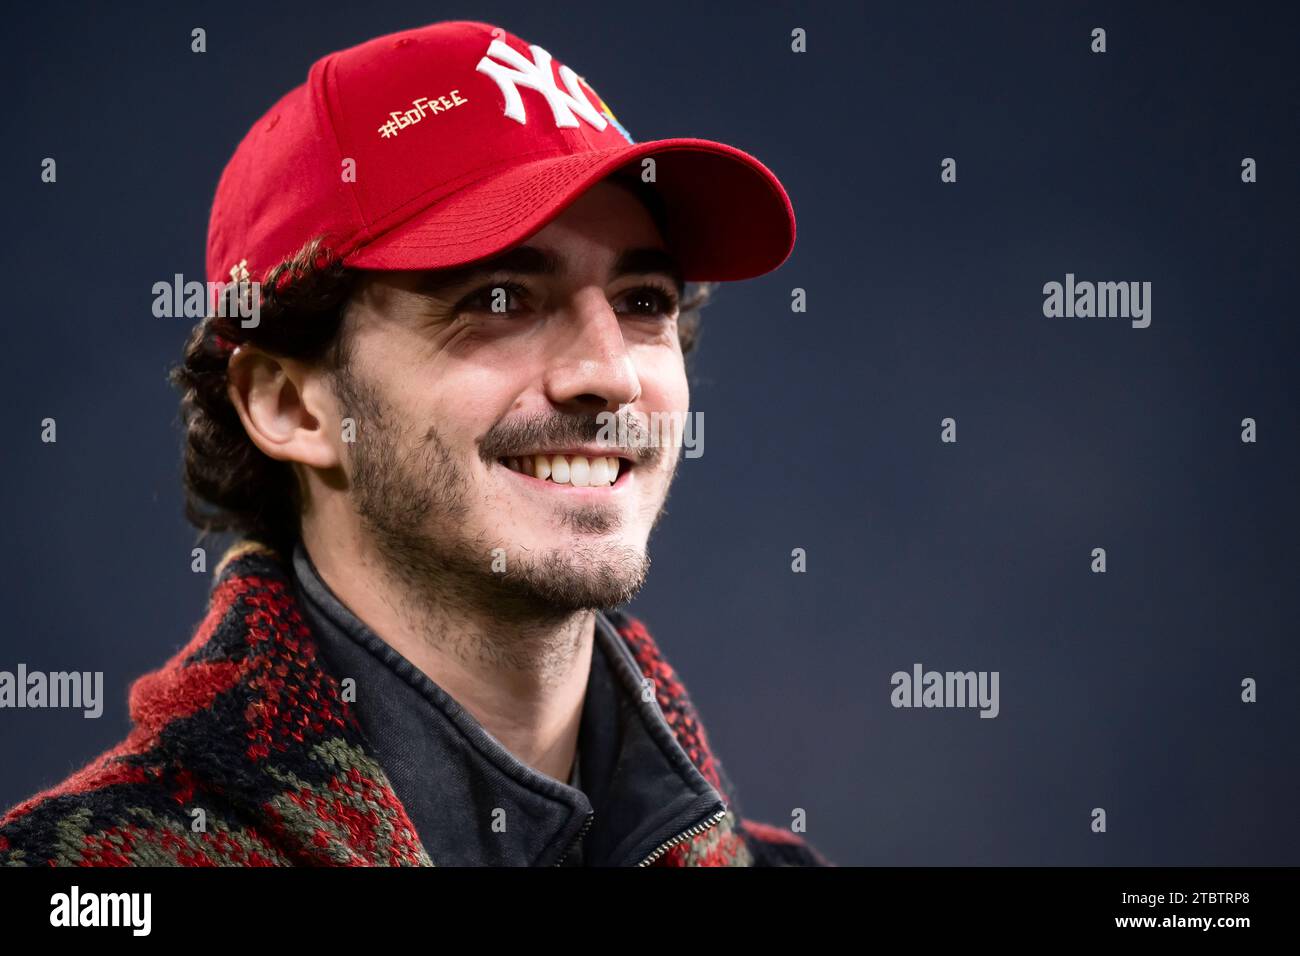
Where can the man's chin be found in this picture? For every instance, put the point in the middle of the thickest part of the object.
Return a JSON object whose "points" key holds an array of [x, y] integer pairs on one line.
{"points": [[589, 575]]}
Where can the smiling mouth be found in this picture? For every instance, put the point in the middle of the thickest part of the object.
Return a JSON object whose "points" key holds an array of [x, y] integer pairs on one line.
{"points": [[577, 471]]}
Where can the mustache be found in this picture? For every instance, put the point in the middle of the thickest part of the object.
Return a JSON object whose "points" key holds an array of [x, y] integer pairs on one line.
{"points": [[519, 436]]}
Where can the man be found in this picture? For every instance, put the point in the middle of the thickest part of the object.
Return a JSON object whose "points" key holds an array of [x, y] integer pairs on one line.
{"points": [[435, 432]]}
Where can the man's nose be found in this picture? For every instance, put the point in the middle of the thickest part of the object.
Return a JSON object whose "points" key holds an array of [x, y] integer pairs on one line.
{"points": [[592, 369]]}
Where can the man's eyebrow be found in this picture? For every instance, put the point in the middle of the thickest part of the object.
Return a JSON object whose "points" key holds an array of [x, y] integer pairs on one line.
{"points": [[649, 260], [521, 260], [530, 260]]}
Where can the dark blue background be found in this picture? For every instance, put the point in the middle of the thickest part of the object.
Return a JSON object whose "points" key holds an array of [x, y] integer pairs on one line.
{"points": [[822, 430]]}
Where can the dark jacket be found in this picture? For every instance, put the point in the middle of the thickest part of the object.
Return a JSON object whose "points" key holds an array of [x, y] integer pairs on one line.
{"points": [[247, 749]]}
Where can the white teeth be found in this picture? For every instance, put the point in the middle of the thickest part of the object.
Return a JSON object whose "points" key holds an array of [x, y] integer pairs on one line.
{"points": [[576, 470], [579, 471], [560, 470]]}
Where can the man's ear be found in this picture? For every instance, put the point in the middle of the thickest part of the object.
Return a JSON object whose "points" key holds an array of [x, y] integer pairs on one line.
{"points": [[286, 407]]}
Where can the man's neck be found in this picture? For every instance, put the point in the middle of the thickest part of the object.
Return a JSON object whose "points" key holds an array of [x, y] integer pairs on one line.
{"points": [[523, 681]]}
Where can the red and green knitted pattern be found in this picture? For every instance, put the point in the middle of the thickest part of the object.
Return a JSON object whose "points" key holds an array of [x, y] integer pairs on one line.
{"points": [[243, 753]]}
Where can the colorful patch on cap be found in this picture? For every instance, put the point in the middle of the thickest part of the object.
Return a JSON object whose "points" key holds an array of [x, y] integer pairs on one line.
{"points": [[609, 113]]}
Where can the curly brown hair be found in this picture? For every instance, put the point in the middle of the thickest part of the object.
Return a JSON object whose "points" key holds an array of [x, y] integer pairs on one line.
{"points": [[230, 484]]}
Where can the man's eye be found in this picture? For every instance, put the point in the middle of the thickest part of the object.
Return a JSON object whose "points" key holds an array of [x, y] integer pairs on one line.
{"points": [[507, 298], [651, 300], [495, 298]]}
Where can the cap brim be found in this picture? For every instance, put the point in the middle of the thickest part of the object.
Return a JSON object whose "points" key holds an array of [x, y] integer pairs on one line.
{"points": [[727, 215]]}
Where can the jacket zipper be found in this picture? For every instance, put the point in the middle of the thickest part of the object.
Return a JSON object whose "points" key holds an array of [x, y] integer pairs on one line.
{"points": [[693, 831], [591, 817], [661, 850]]}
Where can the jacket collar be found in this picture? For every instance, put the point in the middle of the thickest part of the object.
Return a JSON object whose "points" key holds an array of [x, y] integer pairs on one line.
{"points": [[474, 802], [252, 712]]}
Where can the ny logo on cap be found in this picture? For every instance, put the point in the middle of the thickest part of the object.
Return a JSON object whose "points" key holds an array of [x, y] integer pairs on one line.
{"points": [[537, 74]]}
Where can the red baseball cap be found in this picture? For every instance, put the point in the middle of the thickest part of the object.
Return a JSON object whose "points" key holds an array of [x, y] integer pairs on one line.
{"points": [[435, 147]]}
